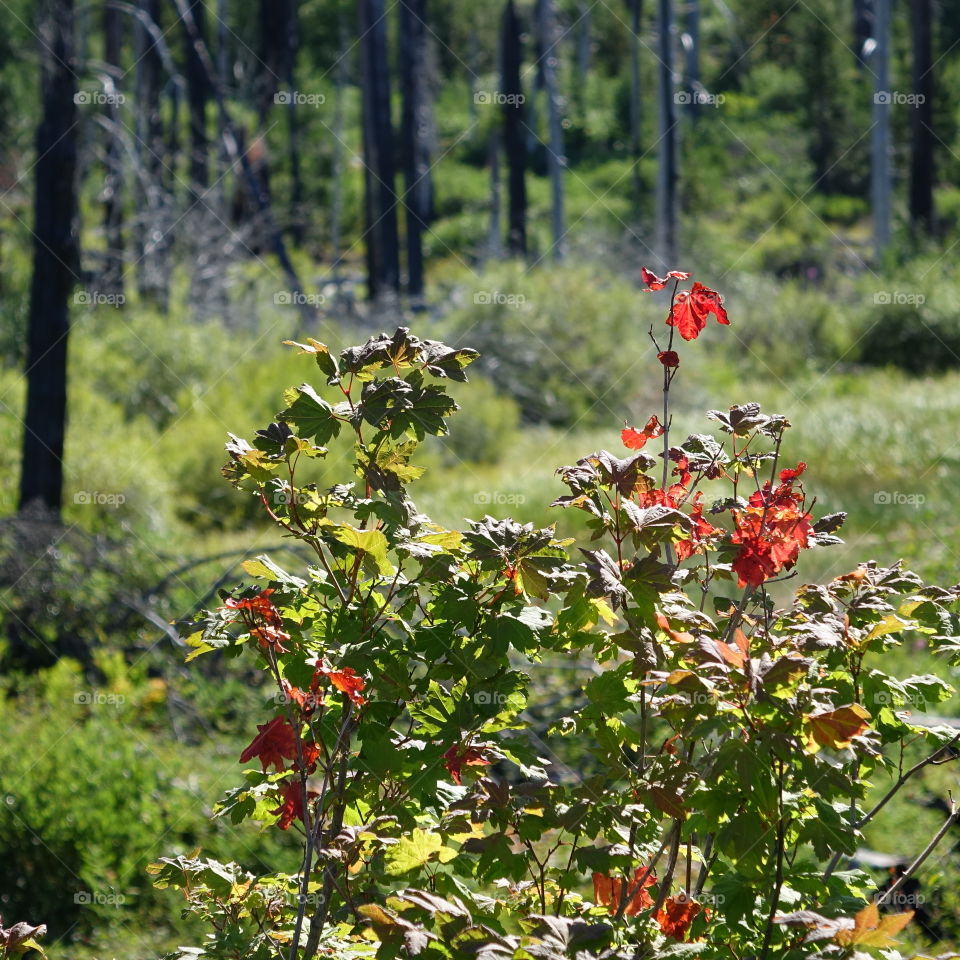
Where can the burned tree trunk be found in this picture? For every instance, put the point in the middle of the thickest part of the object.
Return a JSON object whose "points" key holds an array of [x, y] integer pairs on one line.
{"points": [[667, 138], [112, 187], [380, 200], [921, 124], [514, 141], [55, 265], [414, 141]]}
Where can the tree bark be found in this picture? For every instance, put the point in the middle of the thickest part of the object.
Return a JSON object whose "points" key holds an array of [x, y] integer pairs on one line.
{"points": [[414, 146], [635, 11], [667, 138], [514, 141], [921, 125], [691, 44], [113, 280], [198, 96], [380, 204], [55, 265], [880, 137], [556, 160]]}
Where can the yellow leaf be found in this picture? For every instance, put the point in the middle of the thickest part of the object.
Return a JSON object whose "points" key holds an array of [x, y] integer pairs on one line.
{"points": [[835, 728], [869, 930]]}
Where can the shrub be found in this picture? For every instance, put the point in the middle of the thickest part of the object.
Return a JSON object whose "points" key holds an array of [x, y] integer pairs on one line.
{"points": [[726, 743]]}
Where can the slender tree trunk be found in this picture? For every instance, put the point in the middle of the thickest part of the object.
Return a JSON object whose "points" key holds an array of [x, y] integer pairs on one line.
{"points": [[336, 206], [293, 128], [112, 188], [383, 248], [880, 138], [413, 130], [514, 141], [921, 126], [556, 160], [55, 265], [667, 137], [472, 56], [151, 194], [863, 21], [494, 242], [198, 96], [691, 44], [635, 10]]}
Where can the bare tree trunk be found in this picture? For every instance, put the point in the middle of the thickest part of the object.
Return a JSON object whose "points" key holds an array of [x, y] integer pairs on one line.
{"points": [[921, 126], [556, 160], [667, 137], [383, 248], [635, 10], [198, 96], [293, 129], [151, 194], [880, 138], [494, 243], [863, 21], [336, 206], [691, 45], [55, 265], [112, 188], [514, 141], [414, 148]]}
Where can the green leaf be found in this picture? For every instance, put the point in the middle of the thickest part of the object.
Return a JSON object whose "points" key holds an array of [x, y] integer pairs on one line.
{"points": [[310, 414], [413, 852], [371, 542]]}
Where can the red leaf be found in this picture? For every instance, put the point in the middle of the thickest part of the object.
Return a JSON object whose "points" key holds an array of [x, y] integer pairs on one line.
{"points": [[458, 756], [635, 439], [669, 358], [275, 743], [291, 803], [788, 475], [347, 681], [691, 309], [608, 891], [654, 282], [676, 915]]}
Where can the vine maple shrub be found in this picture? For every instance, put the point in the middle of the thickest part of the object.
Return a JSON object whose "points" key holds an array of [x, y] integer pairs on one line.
{"points": [[721, 749]]}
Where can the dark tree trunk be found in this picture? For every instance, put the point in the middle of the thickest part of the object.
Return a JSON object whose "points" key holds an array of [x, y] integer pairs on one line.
{"points": [[556, 160], [880, 188], [514, 141], [55, 265], [494, 239], [667, 136], [921, 126], [293, 130], [691, 44], [414, 142], [112, 188], [380, 204], [151, 193], [336, 205], [635, 11], [863, 23], [198, 96]]}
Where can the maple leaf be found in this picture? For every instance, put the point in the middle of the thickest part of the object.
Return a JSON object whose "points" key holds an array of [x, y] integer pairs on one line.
{"points": [[836, 728], [346, 680], [869, 930], [676, 915], [291, 803], [460, 756], [276, 742], [608, 891], [702, 530], [691, 309], [635, 439], [786, 476], [669, 358], [654, 282]]}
